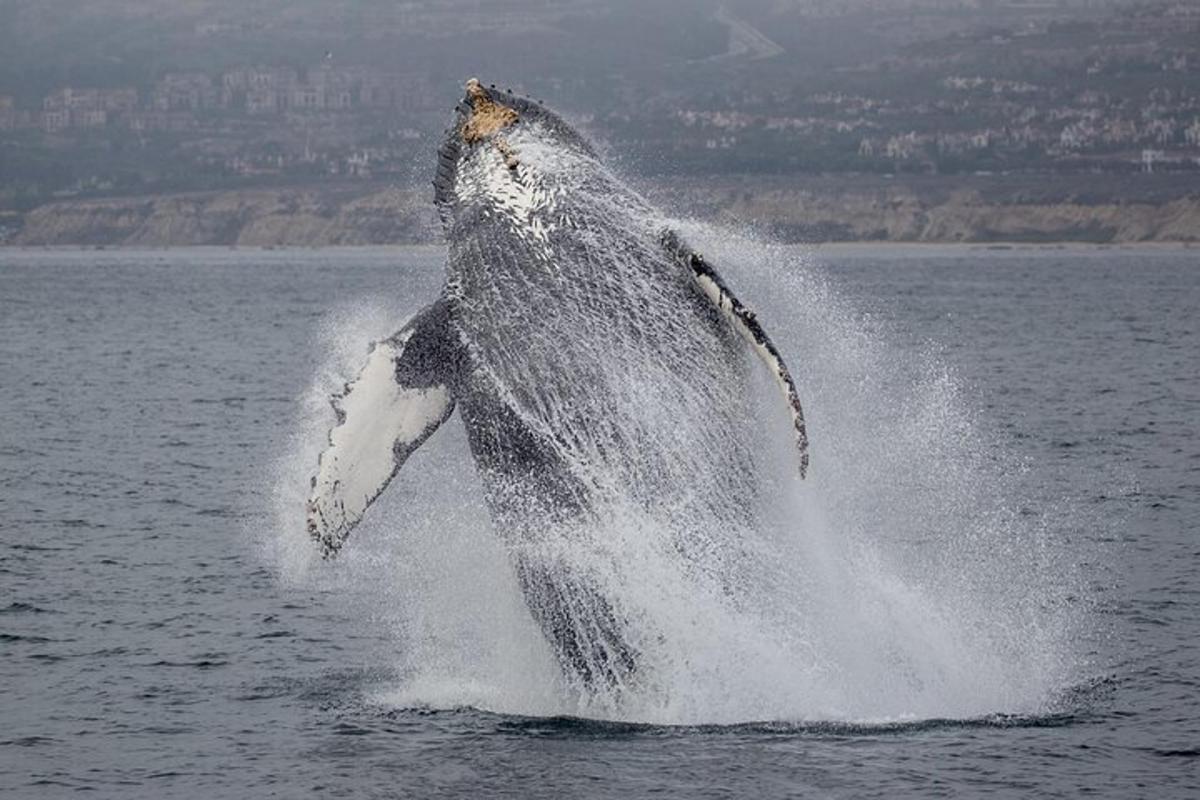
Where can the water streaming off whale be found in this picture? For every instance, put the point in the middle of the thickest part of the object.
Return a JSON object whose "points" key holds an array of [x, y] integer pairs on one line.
{"points": [[901, 581]]}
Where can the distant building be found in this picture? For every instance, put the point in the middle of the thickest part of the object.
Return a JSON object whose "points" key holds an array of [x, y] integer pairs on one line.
{"points": [[378, 91], [396, 91], [324, 87], [333, 87], [1076, 136], [119, 100], [903, 147], [263, 101], [83, 100], [11, 119], [56, 120], [89, 118], [1191, 134], [258, 90], [1120, 131], [306, 97], [158, 121], [359, 165], [191, 91]]}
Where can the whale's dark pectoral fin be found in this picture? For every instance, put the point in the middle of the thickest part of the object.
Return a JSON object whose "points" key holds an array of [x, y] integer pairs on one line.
{"points": [[401, 396], [745, 323]]}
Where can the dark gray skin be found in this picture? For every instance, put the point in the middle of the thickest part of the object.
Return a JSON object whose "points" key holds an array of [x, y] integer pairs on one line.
{"points": [[525, 485], [577, 337]]}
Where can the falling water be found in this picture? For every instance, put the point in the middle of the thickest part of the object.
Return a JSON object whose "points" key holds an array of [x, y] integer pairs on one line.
{"points": [[899, 582]]}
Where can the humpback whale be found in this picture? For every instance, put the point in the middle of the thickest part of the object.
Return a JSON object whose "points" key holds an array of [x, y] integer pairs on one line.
{"points": [[590, 352]]}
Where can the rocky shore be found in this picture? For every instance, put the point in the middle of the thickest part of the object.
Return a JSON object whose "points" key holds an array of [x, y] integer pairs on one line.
{"points": [[828, 209]]}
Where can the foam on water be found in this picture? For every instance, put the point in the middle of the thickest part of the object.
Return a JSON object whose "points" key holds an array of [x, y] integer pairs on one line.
{"points": [[899, 582]]}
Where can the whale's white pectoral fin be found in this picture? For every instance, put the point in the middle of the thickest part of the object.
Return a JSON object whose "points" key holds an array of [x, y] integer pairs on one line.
{"points": [[746, 324], [397, 401]]}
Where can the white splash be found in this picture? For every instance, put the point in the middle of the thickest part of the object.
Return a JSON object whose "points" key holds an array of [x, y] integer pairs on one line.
{"points": [[897, 583]]}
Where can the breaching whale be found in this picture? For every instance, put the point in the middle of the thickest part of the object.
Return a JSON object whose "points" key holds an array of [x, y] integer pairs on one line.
{"points": [[568, 314]]}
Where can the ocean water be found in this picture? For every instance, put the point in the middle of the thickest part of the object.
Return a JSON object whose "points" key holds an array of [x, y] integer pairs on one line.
{"points": [[989, 585]]}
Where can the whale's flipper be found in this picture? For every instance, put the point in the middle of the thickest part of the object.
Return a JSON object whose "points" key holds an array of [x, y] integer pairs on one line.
{"points": [[403, 393], [746, 324]]}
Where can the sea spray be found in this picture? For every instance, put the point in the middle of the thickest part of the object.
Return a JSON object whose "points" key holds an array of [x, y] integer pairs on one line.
{"points": [[901, 581]]}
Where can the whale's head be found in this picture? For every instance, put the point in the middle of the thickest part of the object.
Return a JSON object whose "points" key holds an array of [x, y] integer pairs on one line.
{"points": [[507, 155]]}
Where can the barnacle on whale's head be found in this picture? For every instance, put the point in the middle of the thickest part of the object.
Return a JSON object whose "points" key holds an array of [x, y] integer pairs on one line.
{"points": [[486, 116]]}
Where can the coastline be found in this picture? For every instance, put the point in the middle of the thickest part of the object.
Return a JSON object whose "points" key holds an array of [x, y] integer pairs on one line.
{"points": [[819, 211]]}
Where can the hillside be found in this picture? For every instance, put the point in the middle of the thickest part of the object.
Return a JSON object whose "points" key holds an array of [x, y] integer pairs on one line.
{"points": [[916, 210]]}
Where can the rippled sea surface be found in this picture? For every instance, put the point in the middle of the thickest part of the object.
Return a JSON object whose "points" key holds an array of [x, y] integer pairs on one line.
{"points": [[150, 648]]}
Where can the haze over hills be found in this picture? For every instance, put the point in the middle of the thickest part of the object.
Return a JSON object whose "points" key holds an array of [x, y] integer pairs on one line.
{"points": [[132, 41], [338, 101]]}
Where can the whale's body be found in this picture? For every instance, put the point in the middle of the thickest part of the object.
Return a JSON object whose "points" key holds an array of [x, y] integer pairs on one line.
{"points": [[591, 356]]}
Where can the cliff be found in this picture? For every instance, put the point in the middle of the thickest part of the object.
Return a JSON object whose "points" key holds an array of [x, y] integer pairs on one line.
{"points": [[814, 210], [933, 209], [254, 218]]}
